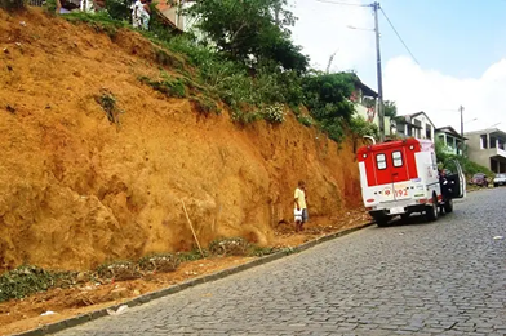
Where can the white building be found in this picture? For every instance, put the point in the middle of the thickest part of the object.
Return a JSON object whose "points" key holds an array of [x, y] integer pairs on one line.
{"points": [[170, 9], [417, 125], [364, 99], [487, 147]]}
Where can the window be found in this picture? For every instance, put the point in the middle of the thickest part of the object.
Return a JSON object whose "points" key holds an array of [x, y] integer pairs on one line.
{"points": [[493, 142], [397, 159], [401, 128], [381, 163], [428, 132], [484, 141], [450, 142]]}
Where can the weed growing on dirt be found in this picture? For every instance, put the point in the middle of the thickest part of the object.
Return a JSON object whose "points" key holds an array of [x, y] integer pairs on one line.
{"points": [[101, 22], [295, 109], [192, 255], [109, 104], [205, 104], [274, 114], [160, 262], [119, 270], [28, 279], [170, 86], [165, 58], [256, 251], [223, 79], [305, 120], [100, 18], [245, 117], [229, 246], [50, 7]]}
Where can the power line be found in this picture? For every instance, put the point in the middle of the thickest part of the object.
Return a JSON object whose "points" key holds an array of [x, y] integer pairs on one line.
{"points": [[399, 36], [342, 3]]}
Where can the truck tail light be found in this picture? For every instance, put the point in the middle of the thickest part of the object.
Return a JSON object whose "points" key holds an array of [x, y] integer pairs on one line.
{"points": [[369, 208], [370, 200], [422, 201]]}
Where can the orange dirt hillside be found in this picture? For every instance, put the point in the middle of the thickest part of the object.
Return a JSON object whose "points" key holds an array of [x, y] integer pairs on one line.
{"points": [[76, 190]]}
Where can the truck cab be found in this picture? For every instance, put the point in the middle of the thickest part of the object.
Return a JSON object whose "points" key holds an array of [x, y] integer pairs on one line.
{"points": [[401, 177]]}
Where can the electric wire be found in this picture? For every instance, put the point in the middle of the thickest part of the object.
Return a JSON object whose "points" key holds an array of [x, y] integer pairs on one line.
{"points": [[342, 3], [399, 36]]}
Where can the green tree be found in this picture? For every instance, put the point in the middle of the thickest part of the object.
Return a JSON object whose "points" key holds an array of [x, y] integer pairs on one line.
{"points": [[119, 9], [389, 108], [359, 128], [446, 161], [249, 27], [326, 97]]}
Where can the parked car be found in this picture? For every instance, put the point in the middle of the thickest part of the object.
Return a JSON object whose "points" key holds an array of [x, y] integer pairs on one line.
{"points": [[480, 180], [499, 180]]}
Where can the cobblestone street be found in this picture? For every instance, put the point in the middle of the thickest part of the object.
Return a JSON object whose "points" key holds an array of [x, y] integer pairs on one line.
{"points": [[442, 278]]}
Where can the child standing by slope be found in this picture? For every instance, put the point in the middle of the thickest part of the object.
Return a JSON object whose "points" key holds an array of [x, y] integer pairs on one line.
{"points": [[300, 206]]}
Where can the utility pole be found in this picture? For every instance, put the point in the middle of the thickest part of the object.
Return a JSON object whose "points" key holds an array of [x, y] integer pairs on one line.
{"points": [[462, 140], [277, 10], [331, 57], [380, 100]]}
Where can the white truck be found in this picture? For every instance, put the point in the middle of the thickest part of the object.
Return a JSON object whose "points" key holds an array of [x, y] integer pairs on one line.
{"points": [[401, 177]]}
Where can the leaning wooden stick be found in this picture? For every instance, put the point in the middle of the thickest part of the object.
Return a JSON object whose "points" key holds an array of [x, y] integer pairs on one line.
{"points": [[191, 226]]}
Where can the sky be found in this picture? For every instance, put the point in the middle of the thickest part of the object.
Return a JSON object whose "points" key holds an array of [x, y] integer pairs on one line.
{"points": [[459, 48]]}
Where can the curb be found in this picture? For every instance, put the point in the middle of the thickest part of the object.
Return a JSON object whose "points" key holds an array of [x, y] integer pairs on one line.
{"points": [[144, 298]]}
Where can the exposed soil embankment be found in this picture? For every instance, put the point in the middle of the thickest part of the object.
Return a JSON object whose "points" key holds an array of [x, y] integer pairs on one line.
{"points": [[76, 190]]}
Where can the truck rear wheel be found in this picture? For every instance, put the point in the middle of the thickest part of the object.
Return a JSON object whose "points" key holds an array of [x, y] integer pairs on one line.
{"points": [[404, 217], [432, 212], [382, 221], [448, 207]]}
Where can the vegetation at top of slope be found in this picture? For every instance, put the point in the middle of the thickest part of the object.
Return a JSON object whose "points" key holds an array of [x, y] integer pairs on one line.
{"points": [[247, 60], [446, 161]]}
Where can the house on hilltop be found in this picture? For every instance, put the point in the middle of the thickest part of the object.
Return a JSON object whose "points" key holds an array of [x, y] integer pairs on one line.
{"points": [[364, 99], [172, 10], [452, 140], [417, 125]]}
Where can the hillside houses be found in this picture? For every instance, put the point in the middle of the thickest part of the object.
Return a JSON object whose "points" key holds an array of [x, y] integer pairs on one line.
{"points": [[485, 147]]}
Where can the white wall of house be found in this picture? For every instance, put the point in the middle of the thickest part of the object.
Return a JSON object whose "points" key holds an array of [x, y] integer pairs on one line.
{"points": [[183, 22], [362, 111], [427, 130], [365, 113]]}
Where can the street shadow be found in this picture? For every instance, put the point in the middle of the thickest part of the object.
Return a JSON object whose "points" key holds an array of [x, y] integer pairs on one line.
{"points": [[414, 219]]}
